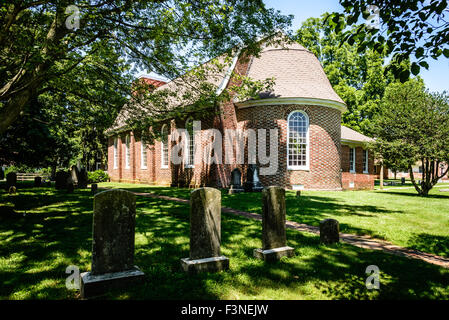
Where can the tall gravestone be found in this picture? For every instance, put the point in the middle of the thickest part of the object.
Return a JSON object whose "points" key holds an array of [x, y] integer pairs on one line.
{"points": [[11, 180], [2, 174], [274, 238], [205, 233], [113, 231], [61, 179], [329, 231], [236, 182], [82, 178], [37, 181], [93, 188], [74, 173], [252, 183]]}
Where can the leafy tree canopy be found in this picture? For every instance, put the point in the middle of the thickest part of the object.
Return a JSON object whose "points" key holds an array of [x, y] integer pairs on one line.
{"points": [[73, 59], [358, 76], [407, 29], [411, 127]]}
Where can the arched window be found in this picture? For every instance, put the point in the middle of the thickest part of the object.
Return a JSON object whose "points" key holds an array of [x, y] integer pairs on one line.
{"points": [[298, 141], [115, 153], [127, 152], [190, 144], [164, 147], [143, 154]]}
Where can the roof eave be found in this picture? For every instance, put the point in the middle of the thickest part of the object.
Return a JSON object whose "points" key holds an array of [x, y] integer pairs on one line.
{"points": [[294, 100]]}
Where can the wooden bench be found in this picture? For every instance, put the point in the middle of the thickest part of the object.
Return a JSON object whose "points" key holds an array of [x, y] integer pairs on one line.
{"points": [[31, 176]]}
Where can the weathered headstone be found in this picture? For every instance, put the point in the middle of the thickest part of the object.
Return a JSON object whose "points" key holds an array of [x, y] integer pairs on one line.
{"points": [[61, 180], [274, 239], [11, 180], [329, 231], [113, 230], [82, 178], [205, 232], [252, 183], [37, 181], [2, 174], [236, 182], [298, 193], [403, 181], [74, 172], [93, 188]]}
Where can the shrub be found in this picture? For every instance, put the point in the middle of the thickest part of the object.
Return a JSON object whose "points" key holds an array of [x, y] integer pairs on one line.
{"points": [[97, 176], [19, 168]]}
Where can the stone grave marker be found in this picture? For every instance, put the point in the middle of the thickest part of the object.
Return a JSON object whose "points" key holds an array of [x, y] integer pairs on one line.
{"points": [[74, 172], [37, 181], [93, 188], [252, 183], [274, 239], [236, 182], [205, 233], [82, 178], [113, 231], [329, 231], [61, 180], [11, 180]]}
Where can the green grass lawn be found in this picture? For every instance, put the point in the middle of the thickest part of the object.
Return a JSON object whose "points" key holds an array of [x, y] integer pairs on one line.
{"points": [[399, 215], [50, 230]]}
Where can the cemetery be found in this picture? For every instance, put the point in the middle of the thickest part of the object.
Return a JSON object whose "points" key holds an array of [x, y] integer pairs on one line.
{"points": [[140, 251], [224, 150]]}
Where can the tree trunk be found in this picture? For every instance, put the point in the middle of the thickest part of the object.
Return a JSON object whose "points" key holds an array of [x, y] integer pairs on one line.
{"points": [[381, 176]]}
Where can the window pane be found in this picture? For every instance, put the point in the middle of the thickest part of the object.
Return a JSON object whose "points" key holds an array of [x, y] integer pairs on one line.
{"points": [[297, 139]]}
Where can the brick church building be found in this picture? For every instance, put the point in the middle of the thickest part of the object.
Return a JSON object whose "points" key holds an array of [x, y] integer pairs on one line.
{"points": [[315, 152]]}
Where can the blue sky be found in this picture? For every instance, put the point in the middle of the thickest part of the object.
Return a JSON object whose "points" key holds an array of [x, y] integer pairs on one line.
{"points": [[436, 78]]}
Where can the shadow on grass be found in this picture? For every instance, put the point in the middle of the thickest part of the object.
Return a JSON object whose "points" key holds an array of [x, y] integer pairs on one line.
{"points": [[438, 245], [415, 194], [38, 248]]}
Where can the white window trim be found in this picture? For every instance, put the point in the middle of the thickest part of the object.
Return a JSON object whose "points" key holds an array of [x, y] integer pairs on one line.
{"points": [[164, 166], [307, 166], [143, 164], [366, 162], [127, 159], [351, 170], [115, 153], [187, 146]]}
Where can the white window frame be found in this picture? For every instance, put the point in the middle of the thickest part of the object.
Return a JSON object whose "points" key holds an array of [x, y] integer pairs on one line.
{"points": [[127, 152], [115, 153], [307, 166], [190, 144], [143, 150], [352, 168], [163, 164], [366, 162]]}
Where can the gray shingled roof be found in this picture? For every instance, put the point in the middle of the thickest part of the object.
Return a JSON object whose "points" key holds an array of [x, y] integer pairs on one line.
{"points": [[350, 135], [297, 73]]}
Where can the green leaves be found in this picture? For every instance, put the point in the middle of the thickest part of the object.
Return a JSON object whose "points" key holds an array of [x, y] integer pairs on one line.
{"points": [[410, 27]]}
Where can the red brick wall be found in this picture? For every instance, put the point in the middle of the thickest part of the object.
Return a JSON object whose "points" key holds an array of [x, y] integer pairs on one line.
{"points": [[360, 179], [324, 137]]}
